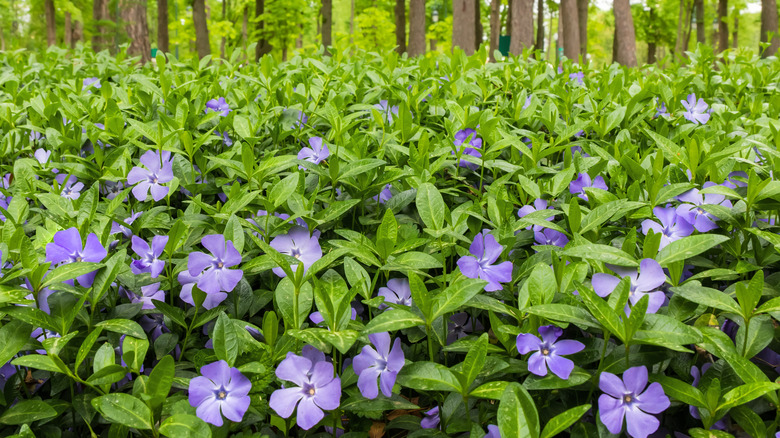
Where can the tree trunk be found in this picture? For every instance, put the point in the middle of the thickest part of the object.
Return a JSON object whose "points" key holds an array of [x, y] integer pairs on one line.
{"points": [[479, 32], [134, 17], [522, 26], [327, 23], [416, 27], [539, 26], [651, 44], [678, 45], [688, 23], [51, 24], [495, 27], [723, 25], [463, 26], [624, 31], [163, 41], [769, 25], [67, 35], [735, 31], [201, 28], [552, 50], [651, 52], [509, 18], [582, 15], [99, 13], [2, 37], [223, 39], [244, 24], [262, 47], [78, 34], [615, 45], [700, 27], [571, 29], [400, 26]]}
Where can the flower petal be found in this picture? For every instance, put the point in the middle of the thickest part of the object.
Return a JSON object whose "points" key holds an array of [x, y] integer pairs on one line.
{"points": [[283, 401]]}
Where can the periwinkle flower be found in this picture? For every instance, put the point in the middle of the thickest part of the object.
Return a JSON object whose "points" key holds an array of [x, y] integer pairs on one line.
{"points": [[122, 228], [493, 432], [317, 318], [628, 399], [431, 419], [578, 77], [218, 106], [692, 212], [549, 351], [316, 389], [661, 110], [67, 248], [90, 82], [467, 143], [389, 112], [460, 325], [480, 264], [672, 227], [396, 292], [527, 102], [733, 182], [69, 185], [225, 138], [149, 261], [548, 236], [693, 410], [220, 390], [382, 363], [300, 244], [646, 281], [188, 281], [42, 155], [317, 153], [577, 187], [148, 293], [695, 111], [159, 170], [212, 268], [112, 189], [36, 136], [384, 195], [538, 205]]}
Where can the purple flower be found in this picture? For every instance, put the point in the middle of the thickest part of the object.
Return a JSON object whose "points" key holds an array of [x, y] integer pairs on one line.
{"points": [[431, 420], [300, 119], [466, 142], [693, 410], [644, 282], [577, 187], [661, 110], [527, 102], [187, 282], [460, 325], [159, 170], [396, 292], [67, 248], [388, 112], [539, 204], [42, 155], [119, 228], [299, 244], [317, 318], [550, 237], [579, 76], [36, 136], [628, 399], [383, 363], [149, 257], [225, 139], [672, 227], [493, 432], [149, 292], [87, 82], [218, 106], [548, 352], [484, 252], [216, 277], [154, 323], [384, 195], [71, 187], [220, 390], [692, 212], [732, 182], [316, 389], [695, 111], [316, 153]]}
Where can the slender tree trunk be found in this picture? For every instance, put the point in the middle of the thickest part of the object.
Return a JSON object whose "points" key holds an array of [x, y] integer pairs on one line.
{"points": [[201, 28], [551, 45], [700, 27], [327, 23], [463, 26], [688, 26], [624, 31], [78, 34], [582, 15], [539, 26], [615, 44], [495, 27], [571, 29], [651, 52], [244, 24], [400, 26], [416, 27], [134, 17], [509, 17], [51, 24], [723, 25], [223, 39], [678, 45], [262, 47], [299, 40], [163, 41], [99, 13], [67, 34], [735, 31], [769, 25], [479, 32], [522, 26], [651, 44]]}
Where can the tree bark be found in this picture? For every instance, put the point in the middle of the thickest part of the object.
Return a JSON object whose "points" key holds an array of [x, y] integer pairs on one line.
{"points": [[678, 44], [463, 26], [2, 37], [400, 26], [539, 26], [735, 31], [651, 52], [201, 28], [522, 26], [163, 40], [479, 31], [262, 47], [723, 25], [51, 24], [327, 23], [571, 29], [244, 29], [509, 18], [495, 27], [651, 43], [223, 40], [582, 15], [624, 31], [688, 22], [78, 33], [99, 13], [134, 17], [416, 27], [68, 32], [700, 27], [769, 25]]}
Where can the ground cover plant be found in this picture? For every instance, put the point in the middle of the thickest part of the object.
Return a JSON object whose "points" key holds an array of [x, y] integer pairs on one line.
{"points": [[365, 245]]}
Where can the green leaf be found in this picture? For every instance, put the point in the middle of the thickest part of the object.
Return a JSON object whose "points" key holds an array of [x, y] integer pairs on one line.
{"points": [[517, 415], [160, 381], [281, 191], [428, 376], [745, 394], [679, 390], [27, 411], [541, 284], [359, 167], [473, 363], [430, 206], [225, 339], [124, 327], [566, 314], [694, 292], [70, 271], [687, 247], [185, 426], [37, 361], [608, 318], [602, 253], [392, 320], [562, 421], [457, 294], [124, 409], [490, 390], [107, 375], [13, 336]]}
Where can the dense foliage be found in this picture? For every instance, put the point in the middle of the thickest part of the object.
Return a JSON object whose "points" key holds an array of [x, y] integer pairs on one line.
{"points": [[437, 247]]}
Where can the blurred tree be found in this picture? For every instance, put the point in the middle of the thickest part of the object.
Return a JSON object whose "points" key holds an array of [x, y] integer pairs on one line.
{"points": [[582, 16], [769, 26], [400, 26], [625, 52], [522, 26], [464, 25], [263, 46], [375, 29], [570, 27], [539, 25], [723, 25], [100, 31], [51, 24], [416, 27], [202, 42], [136, 26], [495, 27], [327, 23], [162, 26], [698, 5]]}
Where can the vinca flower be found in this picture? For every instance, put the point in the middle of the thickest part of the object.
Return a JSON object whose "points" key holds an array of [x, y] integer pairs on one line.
{"points": [[36, 136], [493, 432], [218, 106], [661, 110], [159, 170], [389, 113], [67, 248], [579, 76], [384, 195], [299, 244], [646, 281], [149, 292], [220, 390], [317, 153], [460, 325], [70, 186], [42, 155], [90, 82], [188, 281], [120, 228], [149, 261], [628, 399], [549, 351], [316, 389], [480, 264], [225, 139], [692, 212], [539, 204], [693, 410], [431, 419], [212, 269], [548, 236], [383, 363], [672, 227], [577, 187], [396, 292], [112, 189], [695, 111], [467, 143]]}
